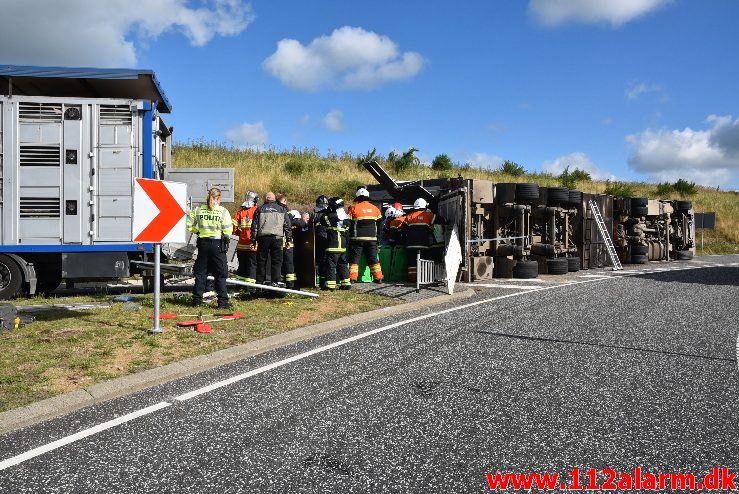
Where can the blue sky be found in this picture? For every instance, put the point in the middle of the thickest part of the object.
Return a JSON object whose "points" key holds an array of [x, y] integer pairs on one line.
{"points": [[631, 89]]}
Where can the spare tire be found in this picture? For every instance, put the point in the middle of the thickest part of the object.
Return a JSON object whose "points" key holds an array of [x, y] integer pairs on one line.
{"points": [[526, 269], [573, 264], [557, 195], [683, 205], [558, 265], [636, 202], [639, 250], [639, 258], [527, 192], [639, 210], [575, 197], [683, 255]]}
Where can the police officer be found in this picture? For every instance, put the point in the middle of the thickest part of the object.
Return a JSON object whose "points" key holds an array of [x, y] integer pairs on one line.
{"points": [[246, 250], [366, 220], [335, 221], [269, 228], [212, 224]]}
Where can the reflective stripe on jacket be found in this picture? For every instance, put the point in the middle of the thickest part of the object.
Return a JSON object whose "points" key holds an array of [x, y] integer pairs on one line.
{"points": [[209, 223], [242, 227], [420, 228], [365, 218], [335, 232]]}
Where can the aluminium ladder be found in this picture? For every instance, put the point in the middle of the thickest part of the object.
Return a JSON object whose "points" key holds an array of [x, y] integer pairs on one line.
{"points": [[606, 237]]}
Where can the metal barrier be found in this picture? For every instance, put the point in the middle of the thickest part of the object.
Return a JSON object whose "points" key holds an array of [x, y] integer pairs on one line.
{"points": [[428, 272]]}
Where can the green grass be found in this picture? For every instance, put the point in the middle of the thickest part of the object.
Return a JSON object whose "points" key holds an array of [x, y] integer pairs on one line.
{"points": [[64, 350], [304, 174]]}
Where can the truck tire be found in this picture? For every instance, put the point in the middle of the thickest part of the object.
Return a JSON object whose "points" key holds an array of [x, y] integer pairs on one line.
{"points": [[683, 255], [683, 205], [11, 278], [638, 202], [557, 195], [527, 192], [573, 264], [558, 265], [639, 250], [575, 198], [526, 270], [639, 259], [639, 211]]}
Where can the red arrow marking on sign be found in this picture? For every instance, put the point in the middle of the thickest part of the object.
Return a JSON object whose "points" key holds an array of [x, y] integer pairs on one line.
{"points": [[170, 211]]}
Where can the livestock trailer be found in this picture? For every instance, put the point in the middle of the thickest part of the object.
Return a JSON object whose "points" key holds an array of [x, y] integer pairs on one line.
{"points": [[72, 142]]}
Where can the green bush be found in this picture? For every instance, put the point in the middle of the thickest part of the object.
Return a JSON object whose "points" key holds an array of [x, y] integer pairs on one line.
{"points": [[664, 189], [442, 162], [580, 175], [405, 161], [619, 189], [370, 156], [685, 188], [295, 167], [511, 168]]}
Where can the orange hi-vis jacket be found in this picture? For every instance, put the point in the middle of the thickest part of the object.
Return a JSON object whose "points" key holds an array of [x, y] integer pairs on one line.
{"points": [[419, 226], [242, 226], [365, 217]]}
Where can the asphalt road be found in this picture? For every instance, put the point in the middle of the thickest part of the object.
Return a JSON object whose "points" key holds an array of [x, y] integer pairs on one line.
{"points": [[599, 371]]}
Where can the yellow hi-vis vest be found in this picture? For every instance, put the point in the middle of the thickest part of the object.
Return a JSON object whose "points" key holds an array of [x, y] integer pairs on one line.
{"points": [[209, 223]]}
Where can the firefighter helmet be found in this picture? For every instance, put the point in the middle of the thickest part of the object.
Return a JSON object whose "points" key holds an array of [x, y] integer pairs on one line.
{"points": [[295, 214], [420, 203], [335, 203], [321, 203], [361, 192], [390, 212]]}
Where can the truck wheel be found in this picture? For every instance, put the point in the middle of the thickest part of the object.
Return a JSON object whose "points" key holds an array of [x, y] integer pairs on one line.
{"points": [[573, 264], [638, 202], [558, 265], [639, 259], [557, 195], [683, 255], [527, 192], [639, 210], [575, 198], [526, 270], [683, 205], [639, 250], [11, 278]]}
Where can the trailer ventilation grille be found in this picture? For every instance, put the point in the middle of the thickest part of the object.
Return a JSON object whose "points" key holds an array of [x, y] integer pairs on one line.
{"points": [[39, 112], [36, 155], [39, 207], [115, 115]]}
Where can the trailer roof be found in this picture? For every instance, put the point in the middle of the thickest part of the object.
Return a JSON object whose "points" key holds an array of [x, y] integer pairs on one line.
{"points": [[84, 82]]}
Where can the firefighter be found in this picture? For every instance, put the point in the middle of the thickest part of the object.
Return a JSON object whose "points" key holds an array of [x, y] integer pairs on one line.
{"points": [[419, 234], [271, 224], [335, 220], [212, 224], [365, 225], [320, 236], [246, 250], [393, 229], [297, 224]]}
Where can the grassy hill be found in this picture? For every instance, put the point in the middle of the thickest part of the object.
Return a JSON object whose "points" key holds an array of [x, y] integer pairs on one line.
{"points": [[303, 174]]}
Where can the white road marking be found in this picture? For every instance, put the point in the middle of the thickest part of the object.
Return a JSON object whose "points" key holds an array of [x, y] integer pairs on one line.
{"points": [[515, 287], [80, 435]]}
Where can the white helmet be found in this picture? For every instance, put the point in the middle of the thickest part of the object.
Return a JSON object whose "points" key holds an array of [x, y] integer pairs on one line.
{"points": [[294, 213], [245, 204], [361, 192], [420, 203], [390, 212]]}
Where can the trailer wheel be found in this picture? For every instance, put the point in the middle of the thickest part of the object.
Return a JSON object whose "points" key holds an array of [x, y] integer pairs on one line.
{"points": [[639, 210], [527, 192], [526, 270], [575, 198], [683, 205], [639, 250], [638, 202], [11, 278], [639, 258], [683, 255], [558, 265], [557, 195], [573, 264]]}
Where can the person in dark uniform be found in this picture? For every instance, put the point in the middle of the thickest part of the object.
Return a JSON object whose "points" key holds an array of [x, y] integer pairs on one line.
{"points": [[336, 267], [270, 228], [320, 237]]}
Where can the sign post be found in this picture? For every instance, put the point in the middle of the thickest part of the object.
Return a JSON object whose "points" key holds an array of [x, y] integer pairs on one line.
{"points": [[158, 217]]}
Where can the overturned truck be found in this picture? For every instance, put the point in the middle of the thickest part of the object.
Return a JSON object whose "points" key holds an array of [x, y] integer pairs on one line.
{"points": [[521, 230]]}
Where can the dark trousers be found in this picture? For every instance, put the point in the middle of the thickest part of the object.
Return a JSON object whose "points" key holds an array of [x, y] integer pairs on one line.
{"points": [[366, 247], [269, 246], [210, 260], [288, 267], [320, 250], [336, 269], [247, 265]]}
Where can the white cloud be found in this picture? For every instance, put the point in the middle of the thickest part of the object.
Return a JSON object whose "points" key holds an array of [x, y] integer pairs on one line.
{"points": [[105, 33], [635, 90], [334, 121], [484, 160], [578, 160], [349, 57], [246, 134], [707, 157], [613, 12]]}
